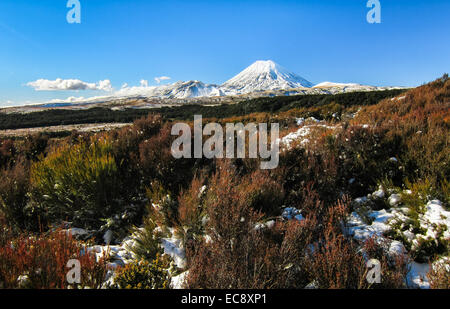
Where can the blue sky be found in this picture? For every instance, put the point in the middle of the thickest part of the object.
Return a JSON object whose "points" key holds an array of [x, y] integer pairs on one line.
{"points": [[127, 41]]}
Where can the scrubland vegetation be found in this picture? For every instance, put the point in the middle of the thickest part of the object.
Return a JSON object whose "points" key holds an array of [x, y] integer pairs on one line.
{"points": [[235, 226]]}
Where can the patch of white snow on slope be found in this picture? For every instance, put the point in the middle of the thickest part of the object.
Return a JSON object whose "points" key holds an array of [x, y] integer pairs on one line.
{"points": [[173, 247], [362, 231], [435, 214], [301, 134], [417, 276], [177, 282]]}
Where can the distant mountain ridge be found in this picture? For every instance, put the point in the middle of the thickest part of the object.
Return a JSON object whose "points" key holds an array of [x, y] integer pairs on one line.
{"points": [[258, 77], [262, 78]]}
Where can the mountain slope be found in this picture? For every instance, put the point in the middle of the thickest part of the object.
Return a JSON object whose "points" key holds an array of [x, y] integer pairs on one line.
{"points": [[263, 76], [261, 79], [178, 90], [331, 84]]}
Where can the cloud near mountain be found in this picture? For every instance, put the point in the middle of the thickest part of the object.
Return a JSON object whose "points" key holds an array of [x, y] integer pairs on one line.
{"points": [[69, 84], [260, 77], [161, 78]]}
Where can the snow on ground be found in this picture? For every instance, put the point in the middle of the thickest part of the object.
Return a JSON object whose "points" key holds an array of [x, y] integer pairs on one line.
{"points": [[363, 231], [75, 232], [375, 223], [382, 221], [177, 282], [173, 247], [398, 98], [301, 134], [331, 84], [417, 276], [394, 199], [300, 121], [120, 255], [290, 213], [95, 127], [379, 193], [435, 215], [269, 224], [396, 248]]}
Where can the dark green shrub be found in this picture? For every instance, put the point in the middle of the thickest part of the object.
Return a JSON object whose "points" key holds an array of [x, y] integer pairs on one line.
{"points": [[14, 187], [147, 240]]}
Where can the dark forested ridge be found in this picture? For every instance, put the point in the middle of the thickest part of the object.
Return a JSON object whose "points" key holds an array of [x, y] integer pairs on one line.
{"points": [[267, 104]]}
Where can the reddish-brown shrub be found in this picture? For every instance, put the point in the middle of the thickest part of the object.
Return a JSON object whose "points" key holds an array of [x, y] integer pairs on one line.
{"points": [[43, 260], [190, 208], [418, 123], [394, 267], [297, 241], [7, 152], [34, 145], [244, 263], [300, 168], [157, 162], [439, 274], [335, 264], [237, 255]]}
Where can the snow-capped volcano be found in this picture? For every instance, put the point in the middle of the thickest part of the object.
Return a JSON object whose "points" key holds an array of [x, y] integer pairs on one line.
{"points": [[260, 76], [263, 76]]}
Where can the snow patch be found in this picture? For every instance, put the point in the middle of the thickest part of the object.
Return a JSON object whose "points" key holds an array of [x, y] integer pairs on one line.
{"points": [[177, 282], [394, 199], [290, 213], [173, 247], [417, 276]]}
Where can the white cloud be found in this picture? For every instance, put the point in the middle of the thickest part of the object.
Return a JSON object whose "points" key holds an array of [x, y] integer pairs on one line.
{"points": [[105, 85], [74, 100], [6, 103], [143, 89], [69, 100], [126, 90], [69, 84], [161, 78]]}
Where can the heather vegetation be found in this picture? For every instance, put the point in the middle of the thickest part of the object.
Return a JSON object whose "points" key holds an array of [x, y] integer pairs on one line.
{"points": [[224, 223]]}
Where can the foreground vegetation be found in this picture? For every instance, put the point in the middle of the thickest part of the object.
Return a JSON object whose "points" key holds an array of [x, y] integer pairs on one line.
{"points": [[228, 214]]}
